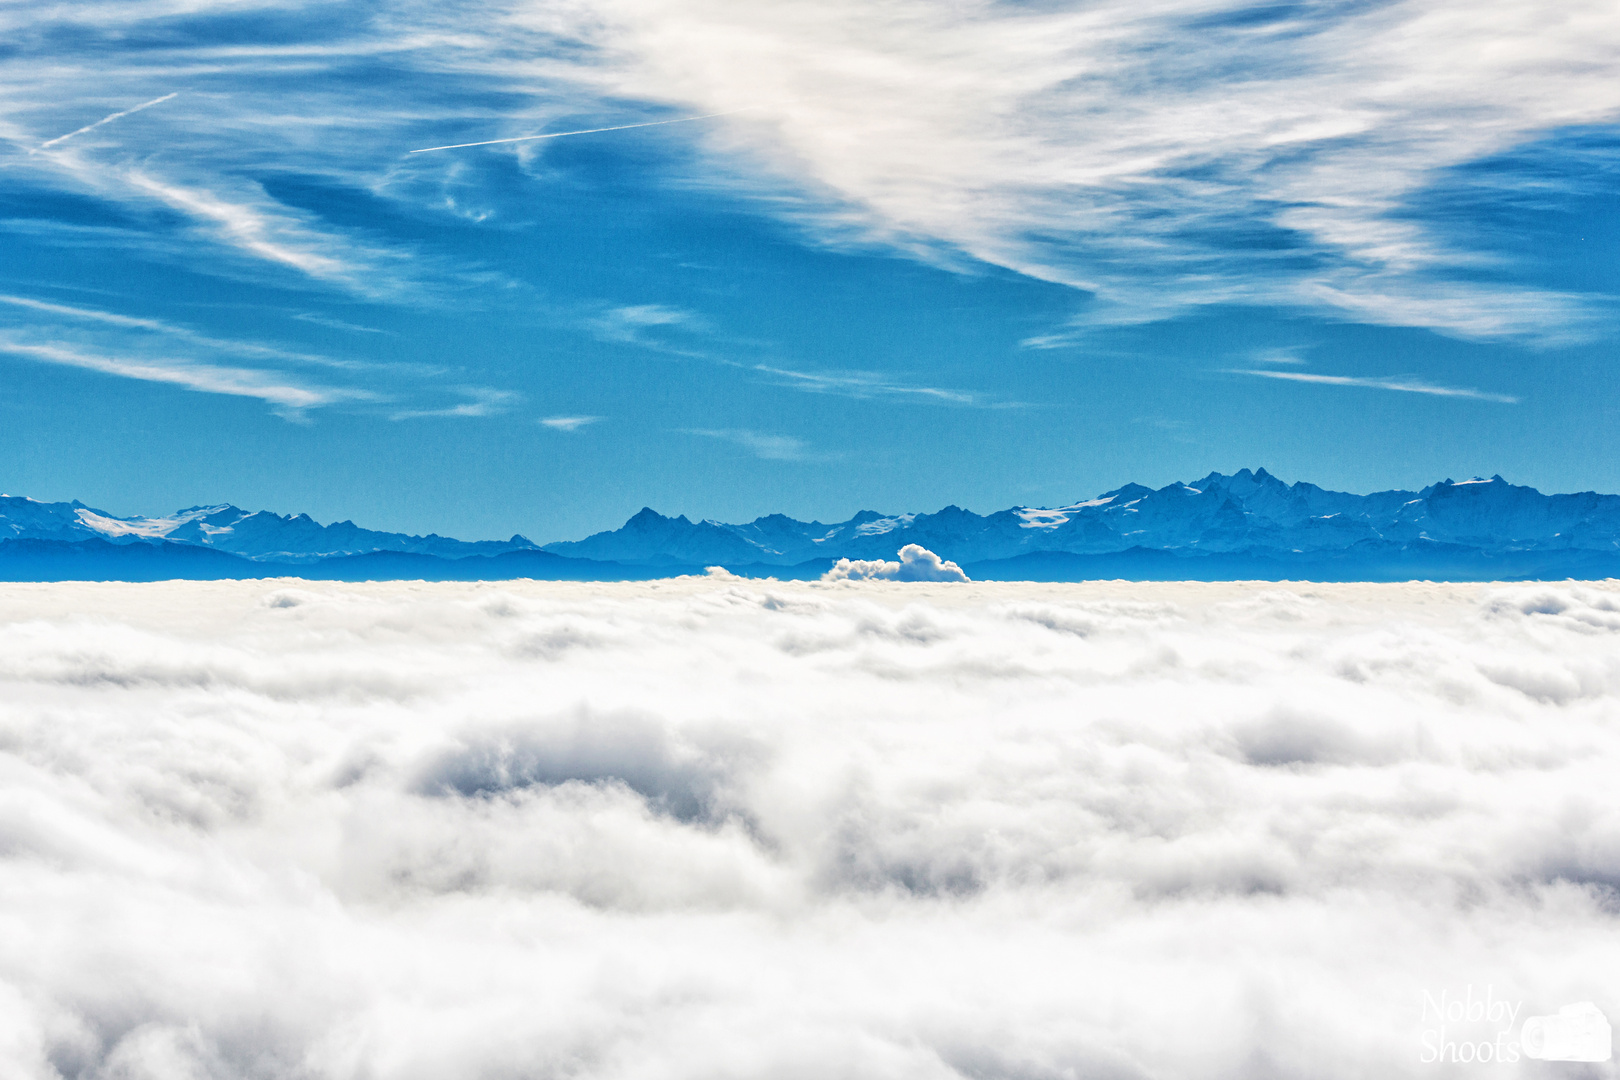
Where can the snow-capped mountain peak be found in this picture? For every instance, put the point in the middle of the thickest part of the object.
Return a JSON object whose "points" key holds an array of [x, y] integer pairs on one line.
{"points": [[1249, 512], [259, 535]]}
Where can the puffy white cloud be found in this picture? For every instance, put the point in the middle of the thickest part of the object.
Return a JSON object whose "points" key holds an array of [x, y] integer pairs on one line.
{"points": [[716, 827], [916, 563]]}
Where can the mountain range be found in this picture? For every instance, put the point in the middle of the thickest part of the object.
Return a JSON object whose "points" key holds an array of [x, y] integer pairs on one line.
{"points": [[1246, 525], [259, 535]]}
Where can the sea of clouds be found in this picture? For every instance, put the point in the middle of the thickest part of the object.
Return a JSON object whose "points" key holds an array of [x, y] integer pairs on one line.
{"points": [[720, 828]]}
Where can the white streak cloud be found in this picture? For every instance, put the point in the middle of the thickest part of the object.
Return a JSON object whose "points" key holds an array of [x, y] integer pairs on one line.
{"points": [[583, 131], [1160, 157], [486, 401], [761, 444], [338, 324], [568, 423], [158, 350], [863, 385], [107, 120], [183, 334], [1403, 383], [207, 378], [647, 326], [267, 235]]}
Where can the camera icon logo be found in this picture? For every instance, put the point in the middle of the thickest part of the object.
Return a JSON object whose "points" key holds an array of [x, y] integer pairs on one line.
{"points": [[1577, 1032]]}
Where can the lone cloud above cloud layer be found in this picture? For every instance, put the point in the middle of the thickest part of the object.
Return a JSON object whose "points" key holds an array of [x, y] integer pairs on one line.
{"points": [[708, 827], [916, 563]]}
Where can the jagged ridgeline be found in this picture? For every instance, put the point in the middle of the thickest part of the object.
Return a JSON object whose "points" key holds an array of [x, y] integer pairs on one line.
{"points": [[1248, 525]]}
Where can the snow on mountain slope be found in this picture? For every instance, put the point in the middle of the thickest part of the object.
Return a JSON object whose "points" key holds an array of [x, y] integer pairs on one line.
{"points": [[22, 518], [264, 535], [254, 534], [1248, 511]]}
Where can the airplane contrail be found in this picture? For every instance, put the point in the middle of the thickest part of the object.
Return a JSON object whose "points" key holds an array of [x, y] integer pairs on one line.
{"points": [[107, 120], [586, 131]]}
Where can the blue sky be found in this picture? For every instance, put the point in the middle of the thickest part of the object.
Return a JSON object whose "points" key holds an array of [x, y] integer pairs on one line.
{"points": [[972, 253]]}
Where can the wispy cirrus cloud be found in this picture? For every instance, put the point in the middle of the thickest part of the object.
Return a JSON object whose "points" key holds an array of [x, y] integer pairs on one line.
{"points": [[866, 384], [649, 326], [160, 350], [762, 445], [269, 234], [174, 332], [155, 350], [1158, 158], [288, 395], [483, 401], [188, 181], [218, 222], [654, 326], [1277, 356], [1402, 383], [46, 145], [338, 324], [569, 423], [560, 134]]}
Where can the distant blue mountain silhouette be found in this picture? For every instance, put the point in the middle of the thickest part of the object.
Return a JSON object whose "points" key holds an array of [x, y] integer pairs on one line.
{"points": [[1248, 525], [1251, 520]]}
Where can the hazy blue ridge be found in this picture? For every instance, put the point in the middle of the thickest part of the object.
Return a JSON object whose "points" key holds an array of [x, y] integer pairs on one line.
{"points": [[99, 560], [31, 559], [253, 534], [1245, 526], [1245, 513]]}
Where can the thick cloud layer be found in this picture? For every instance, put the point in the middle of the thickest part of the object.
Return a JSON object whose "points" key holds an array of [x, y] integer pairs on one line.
{"points": [[716, 828]]}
